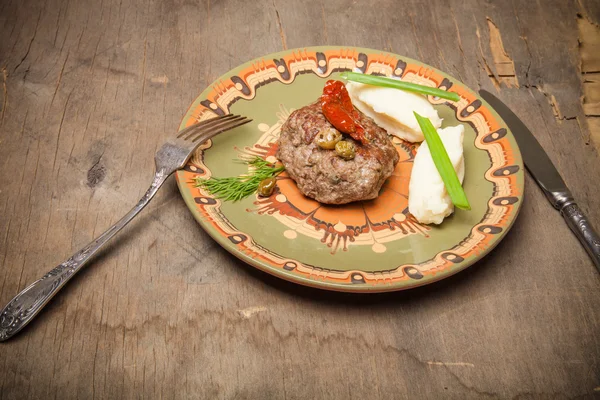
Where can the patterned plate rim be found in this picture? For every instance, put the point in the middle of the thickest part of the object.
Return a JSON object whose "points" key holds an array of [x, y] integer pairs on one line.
{"points": [[493, 136]]}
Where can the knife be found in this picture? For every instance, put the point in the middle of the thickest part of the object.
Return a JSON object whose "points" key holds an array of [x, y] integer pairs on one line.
{"points": [[545, 174]]}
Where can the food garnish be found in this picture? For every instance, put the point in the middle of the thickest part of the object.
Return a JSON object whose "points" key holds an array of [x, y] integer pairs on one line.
{"points": [[337, 108], [398, 84], [239, 187], [443, 164], [266, 187], [327, 138], [428, 198], [345, 150]]}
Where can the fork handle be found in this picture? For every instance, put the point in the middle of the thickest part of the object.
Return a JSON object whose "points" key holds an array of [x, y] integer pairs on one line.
{"points": [[28, 303]]}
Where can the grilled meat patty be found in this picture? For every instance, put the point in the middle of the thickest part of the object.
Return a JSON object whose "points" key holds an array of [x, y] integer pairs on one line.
{"points": [[324, 176]]}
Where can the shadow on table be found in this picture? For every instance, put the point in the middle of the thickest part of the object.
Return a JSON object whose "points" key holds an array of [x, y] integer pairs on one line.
{"points": [[456, 283]]}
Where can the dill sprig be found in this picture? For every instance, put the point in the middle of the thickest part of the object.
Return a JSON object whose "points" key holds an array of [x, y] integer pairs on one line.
{"points": [[236, 188]]}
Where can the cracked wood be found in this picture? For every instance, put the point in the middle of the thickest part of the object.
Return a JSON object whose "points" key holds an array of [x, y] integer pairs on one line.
{"points": [[90, 89]]}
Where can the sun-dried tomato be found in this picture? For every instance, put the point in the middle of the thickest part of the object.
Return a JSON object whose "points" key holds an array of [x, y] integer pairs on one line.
{"points": [[337, 108]]}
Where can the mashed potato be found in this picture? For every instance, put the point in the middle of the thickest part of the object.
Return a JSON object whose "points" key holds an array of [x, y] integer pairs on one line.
{"points": [[428, 199], [392, 109]]}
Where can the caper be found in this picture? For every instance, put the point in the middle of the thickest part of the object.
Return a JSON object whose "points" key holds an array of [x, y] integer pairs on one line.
{"points": [[266, 187], [345, 150], [335, 179], [327, 138]]}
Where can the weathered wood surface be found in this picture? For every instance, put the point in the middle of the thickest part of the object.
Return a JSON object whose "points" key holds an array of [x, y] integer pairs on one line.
{"points": [[90, 89]]}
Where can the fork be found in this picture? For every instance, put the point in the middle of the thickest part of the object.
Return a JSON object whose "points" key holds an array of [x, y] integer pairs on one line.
{"points": [[172, 156]]}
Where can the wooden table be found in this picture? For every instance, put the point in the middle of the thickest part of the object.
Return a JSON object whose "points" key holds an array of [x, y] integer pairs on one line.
{"points": [[89, 89]]}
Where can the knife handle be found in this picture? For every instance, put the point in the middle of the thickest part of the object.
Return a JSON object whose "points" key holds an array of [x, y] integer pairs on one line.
{"points": [[583, 229]]}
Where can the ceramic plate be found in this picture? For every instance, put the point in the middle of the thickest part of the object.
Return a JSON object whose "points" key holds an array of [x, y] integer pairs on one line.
{"points": [[370, 246]]}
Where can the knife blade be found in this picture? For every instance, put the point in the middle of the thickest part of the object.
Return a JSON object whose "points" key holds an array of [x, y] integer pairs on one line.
{"points": [[547, 177]]}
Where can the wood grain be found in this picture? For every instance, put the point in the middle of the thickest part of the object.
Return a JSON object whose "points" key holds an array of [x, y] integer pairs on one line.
{"points": [[89, 91]]}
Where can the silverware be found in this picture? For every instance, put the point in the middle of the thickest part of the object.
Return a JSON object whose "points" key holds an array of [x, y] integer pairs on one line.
{"points": [[543, 171], [172, 156]]}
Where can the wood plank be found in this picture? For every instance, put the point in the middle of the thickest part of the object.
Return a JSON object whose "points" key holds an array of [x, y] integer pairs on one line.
{"points": [[90, 89]]}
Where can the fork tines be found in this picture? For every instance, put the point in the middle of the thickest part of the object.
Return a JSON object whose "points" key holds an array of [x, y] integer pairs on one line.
{"points": [[212, 127]]}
